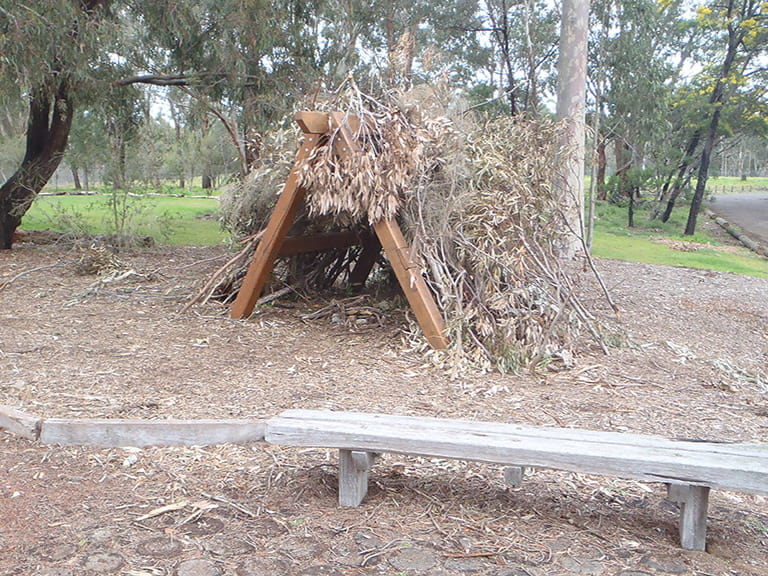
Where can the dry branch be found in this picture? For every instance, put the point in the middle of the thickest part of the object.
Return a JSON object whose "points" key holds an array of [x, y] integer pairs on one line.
{"points": [[217, 277], [475, 199], [4, 285]]}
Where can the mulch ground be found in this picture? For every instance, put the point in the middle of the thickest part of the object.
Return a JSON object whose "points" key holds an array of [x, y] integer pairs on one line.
{"points": [[687, 358]]}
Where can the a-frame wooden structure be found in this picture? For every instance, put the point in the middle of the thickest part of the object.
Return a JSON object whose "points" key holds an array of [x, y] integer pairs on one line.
{"points": [[318, 126]]}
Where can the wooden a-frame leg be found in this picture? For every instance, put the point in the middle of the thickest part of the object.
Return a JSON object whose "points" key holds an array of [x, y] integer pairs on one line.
{"points": [[693, 501], [365, 262], [412, 282], [353, 476], [271, 243]]}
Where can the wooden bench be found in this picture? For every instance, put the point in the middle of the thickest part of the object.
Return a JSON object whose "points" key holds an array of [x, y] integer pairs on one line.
{"points": [[689, 468]]}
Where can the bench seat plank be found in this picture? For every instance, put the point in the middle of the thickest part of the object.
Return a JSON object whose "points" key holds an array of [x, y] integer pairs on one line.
{"points": [[739, 467]]}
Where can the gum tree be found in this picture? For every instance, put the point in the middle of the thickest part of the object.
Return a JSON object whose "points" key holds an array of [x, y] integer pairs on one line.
{"points": [[740, 30], [45, 50]]}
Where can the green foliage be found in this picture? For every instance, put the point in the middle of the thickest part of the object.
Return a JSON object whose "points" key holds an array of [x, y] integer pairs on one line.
{"points": [[237, 68], [42, 41], [643, 180]]}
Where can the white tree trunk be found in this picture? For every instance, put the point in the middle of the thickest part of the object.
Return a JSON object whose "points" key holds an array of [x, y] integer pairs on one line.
{"points": [[571, 95]]}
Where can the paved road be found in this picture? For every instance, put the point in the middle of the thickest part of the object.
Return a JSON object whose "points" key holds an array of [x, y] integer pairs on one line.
{"points": [[747, 211]]}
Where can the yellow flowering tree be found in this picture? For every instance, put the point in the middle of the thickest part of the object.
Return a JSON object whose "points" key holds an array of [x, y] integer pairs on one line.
{"points": [[738, 36]]}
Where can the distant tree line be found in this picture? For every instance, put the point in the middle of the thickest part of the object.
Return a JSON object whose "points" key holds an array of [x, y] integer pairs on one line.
{"points": [[131, 91]]}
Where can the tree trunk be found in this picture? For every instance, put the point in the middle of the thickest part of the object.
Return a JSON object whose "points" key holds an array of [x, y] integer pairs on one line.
{"points": [[76, 177], [571, 95], [602, 162], [683, 176], [50, 120], [532, 93], [701, 183], [623, 162], [633, 193], [119, 158], [717, 100], [176, 117]]}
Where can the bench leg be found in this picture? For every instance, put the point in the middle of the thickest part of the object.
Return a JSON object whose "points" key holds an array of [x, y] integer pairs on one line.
{"points": [[353, 476], [693, 502], [513, 475]]}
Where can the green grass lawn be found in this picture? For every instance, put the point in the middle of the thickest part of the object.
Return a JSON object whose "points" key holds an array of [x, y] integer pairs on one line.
{"points": [[192, 221], [655, 251], [169, 220], [734, 185], [654, 242]]}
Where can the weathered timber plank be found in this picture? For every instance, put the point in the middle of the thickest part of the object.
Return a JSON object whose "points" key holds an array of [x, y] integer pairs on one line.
{"points": [[600, 453], [19, 423], [150, 432], [449, 426]]}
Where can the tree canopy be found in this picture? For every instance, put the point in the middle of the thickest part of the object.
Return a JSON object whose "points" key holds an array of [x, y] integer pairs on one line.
{"points": [[676, 84]]}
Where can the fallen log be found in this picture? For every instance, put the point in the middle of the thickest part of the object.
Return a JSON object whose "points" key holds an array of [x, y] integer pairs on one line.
{"points": [[737, 233]]}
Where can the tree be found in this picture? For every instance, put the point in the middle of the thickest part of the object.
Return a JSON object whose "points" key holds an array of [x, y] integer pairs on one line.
{"points": [[722, 98], [86, 150], [630, 77], [571, 95], [47, 42], [744, 27], [524, 36]]}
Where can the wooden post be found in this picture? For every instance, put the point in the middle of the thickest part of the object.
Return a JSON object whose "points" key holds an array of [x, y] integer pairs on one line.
{"points": [[281, 221], [513, 475], [353, 476], [693, 501]]}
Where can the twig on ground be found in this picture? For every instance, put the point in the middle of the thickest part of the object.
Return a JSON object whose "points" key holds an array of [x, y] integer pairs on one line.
{"points": [[234, 505], [205, 292], [162, 510], [4, 285]]}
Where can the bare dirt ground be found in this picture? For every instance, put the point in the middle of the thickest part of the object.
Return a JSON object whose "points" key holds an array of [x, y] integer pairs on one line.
{"points": [[688, 359]]}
